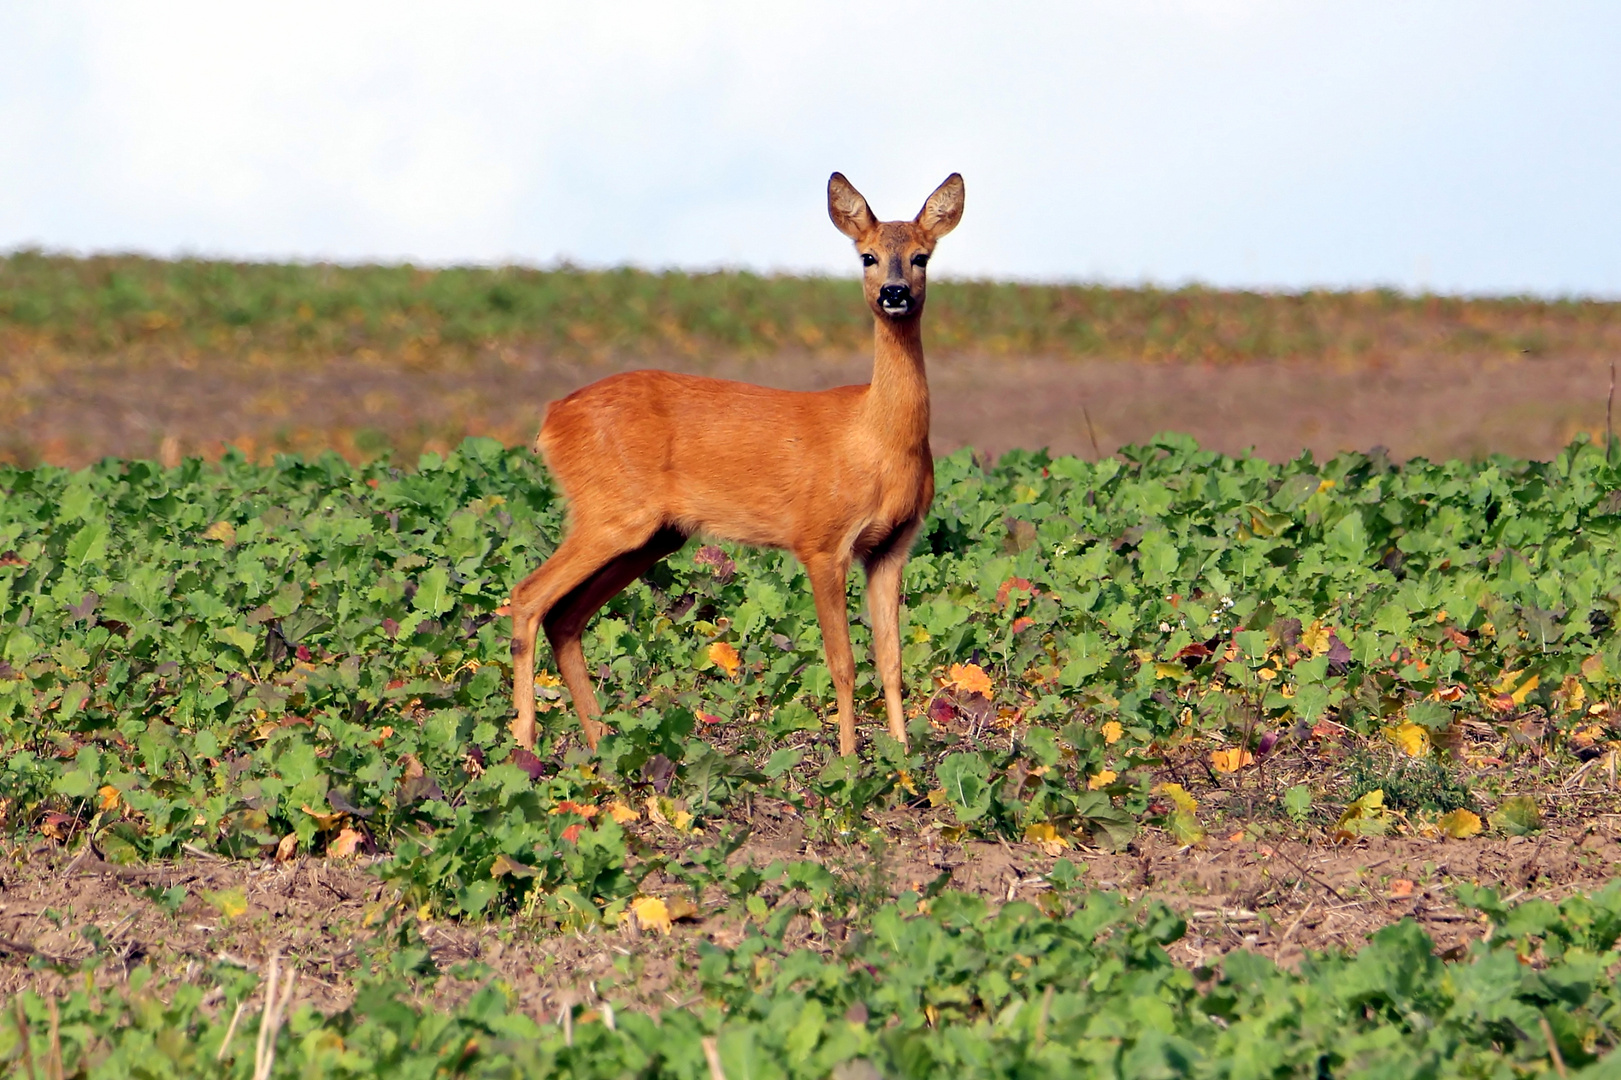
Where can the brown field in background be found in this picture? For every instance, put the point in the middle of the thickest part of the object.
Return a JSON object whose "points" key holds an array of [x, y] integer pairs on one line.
{"points": [[76, 411], [137, 357]]}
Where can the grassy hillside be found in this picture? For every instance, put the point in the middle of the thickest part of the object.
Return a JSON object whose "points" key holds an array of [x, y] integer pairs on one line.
{"points": [[66, 307]]}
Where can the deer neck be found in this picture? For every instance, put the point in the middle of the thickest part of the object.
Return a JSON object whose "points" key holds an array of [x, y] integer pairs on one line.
{"points": [[898, 400]]}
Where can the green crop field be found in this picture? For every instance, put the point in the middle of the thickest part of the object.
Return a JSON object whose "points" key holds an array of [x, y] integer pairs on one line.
{"points": [[303, 659], [60, 306]]}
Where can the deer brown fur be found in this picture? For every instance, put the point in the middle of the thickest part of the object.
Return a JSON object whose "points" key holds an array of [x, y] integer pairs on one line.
{"points": [[647, 459]]}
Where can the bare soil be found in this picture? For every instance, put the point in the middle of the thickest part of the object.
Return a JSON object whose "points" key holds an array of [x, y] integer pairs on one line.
{"points": [[1279, 897], [1410, 402]]}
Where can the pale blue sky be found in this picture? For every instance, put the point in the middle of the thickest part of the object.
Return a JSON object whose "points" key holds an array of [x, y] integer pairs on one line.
{"points": [[1456, 146]]}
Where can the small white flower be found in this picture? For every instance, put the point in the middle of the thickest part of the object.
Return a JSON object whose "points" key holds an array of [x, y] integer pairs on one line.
{"points": [[1164, 627]]}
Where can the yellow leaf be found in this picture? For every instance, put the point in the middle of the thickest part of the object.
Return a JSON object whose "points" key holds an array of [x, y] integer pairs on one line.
{"points": [[1593, 668], [1266, 674], [663, 810], [905, 781], [505, 866], [937, 796], [1101, 779], [723, 656], [1163, 670], [223, 531], [1112, 731], [1364, 817], [1229, 761], [231, 903], [622, 813], [109, 797], [1326, 485], [1525, 689], [547, 679], [1178, 795], [1460, 824], [970, 679], [344, 844], [1505, 682], [1186, 828], [1410, 739], [1046, 837], [651, 914], [1314, 638]]}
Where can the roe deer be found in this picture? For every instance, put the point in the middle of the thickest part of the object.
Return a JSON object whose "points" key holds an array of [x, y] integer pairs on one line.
{"points": [[648, 458]]}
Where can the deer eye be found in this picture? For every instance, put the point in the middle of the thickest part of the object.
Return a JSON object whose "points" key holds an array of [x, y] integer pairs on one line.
{"points": [[868, 260], [920, 260]]}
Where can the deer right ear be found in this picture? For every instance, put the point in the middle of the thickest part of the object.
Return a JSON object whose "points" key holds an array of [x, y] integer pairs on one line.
{"points": [[849, 211]]}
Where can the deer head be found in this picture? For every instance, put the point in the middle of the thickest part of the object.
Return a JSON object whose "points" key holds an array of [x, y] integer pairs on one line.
{"points": [[894, 254]]}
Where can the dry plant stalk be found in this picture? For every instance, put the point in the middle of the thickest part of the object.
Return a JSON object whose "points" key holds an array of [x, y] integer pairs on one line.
{"points": [[275, 1011]]}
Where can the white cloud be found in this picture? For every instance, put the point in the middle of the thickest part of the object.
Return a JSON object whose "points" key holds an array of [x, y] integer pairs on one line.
{"points": [[1260, 143]]}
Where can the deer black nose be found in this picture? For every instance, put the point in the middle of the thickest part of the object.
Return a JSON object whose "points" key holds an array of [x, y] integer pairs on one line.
{"points": [[895, 295]]}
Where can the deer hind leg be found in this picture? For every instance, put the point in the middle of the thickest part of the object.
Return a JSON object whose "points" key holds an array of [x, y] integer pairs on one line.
{"points": [[884, 569], [828, 575], [577, 559], [566, 620]]}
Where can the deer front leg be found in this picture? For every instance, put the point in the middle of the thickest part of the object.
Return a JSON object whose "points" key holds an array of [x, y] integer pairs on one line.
{"points": [[884, 604], [828, 574]]}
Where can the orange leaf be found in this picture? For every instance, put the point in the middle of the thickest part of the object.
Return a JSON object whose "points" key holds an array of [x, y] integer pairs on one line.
{"points": [[109, 797], [970, 679], [325, 822], [584, 810], [1112, 732], [1008, 586], [287, 848], [1401, 887], [1230, 761], [344, 844], [723, 656]]}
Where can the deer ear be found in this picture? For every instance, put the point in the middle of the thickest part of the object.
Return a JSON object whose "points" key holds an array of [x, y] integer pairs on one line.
{"points": [[849, 211], [943, 209]]}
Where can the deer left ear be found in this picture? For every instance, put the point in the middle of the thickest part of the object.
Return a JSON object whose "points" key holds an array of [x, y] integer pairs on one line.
{"points": [[943, 209]]}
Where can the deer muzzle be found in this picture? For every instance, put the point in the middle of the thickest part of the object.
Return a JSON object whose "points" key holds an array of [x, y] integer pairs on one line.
{"points": [[895, 299]]}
